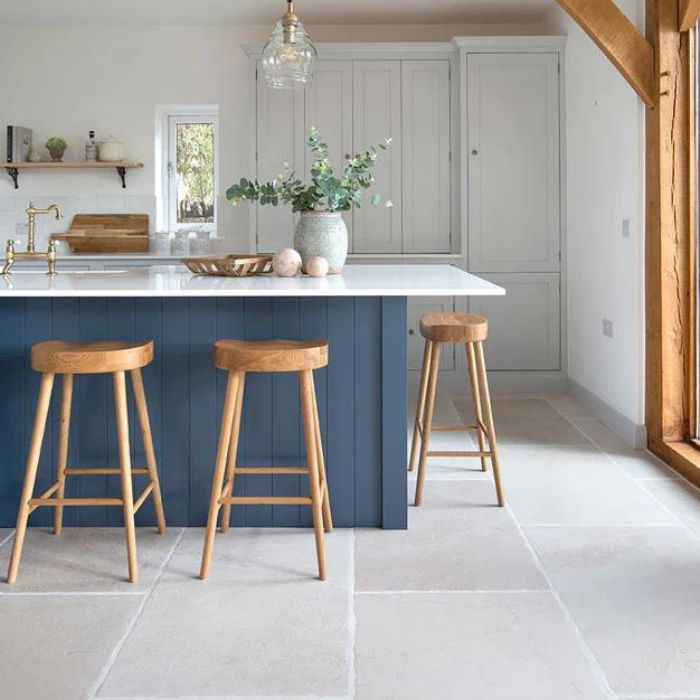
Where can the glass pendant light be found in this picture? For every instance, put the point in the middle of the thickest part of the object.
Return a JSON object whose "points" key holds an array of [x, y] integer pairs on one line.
{"points": [[289, 56]]}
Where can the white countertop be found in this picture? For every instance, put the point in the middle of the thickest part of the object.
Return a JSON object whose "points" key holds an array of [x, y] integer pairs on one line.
{"points": [[176, 281]]}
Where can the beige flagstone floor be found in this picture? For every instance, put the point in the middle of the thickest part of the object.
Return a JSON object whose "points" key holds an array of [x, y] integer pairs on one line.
{"points": [[586, 586]]}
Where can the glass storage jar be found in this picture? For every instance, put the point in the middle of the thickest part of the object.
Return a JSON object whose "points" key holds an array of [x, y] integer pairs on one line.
{"points": [[180, 246], [199, 244], [160, 243]]}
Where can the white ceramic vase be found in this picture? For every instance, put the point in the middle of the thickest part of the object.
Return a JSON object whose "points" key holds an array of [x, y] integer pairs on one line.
{"points": [[325, 234]]}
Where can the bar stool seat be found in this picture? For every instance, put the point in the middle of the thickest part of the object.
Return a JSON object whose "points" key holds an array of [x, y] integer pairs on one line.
{"points": [[270, 355], [54, 357], [239, 357], [446, 327], [61, 357], [470, 329]]}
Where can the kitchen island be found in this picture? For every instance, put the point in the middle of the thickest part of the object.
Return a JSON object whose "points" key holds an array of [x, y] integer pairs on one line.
{"points": [[362, 394]]}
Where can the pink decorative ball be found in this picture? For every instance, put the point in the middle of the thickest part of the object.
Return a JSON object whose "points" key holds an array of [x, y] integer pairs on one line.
{"points": [[286, 263], [316, 266]]}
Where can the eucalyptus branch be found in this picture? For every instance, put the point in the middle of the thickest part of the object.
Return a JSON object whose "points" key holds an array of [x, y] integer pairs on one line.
{"points": [[326, 191]]}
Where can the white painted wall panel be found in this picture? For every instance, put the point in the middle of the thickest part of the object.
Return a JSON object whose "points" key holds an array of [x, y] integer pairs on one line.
{"points": [[426, 156], [376, 116]]}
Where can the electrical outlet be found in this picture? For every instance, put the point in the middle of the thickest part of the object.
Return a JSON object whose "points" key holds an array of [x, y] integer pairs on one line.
{"points": [[607, 328], [625, 228]]}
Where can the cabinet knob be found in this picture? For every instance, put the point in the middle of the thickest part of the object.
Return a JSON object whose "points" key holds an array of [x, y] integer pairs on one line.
{"points": [[411, 331], [475, 152]]}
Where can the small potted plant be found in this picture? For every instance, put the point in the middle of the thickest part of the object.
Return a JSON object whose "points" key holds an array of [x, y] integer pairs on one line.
{"points": [[56, 147], [321, 230]]}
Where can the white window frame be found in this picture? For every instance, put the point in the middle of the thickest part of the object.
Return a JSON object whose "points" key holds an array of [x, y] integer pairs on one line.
{"points": [[167, 119]]}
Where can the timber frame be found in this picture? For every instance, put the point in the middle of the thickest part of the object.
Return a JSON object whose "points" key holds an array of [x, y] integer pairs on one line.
{"points": [[660, 68]]}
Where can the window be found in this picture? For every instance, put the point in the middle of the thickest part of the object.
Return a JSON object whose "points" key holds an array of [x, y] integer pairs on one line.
{"points": [[187, 140]]}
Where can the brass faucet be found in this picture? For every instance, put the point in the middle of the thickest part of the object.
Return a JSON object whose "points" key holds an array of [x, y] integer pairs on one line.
{"points": [[31, 254]]}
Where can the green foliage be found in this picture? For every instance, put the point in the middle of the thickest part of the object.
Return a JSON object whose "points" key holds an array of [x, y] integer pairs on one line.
{"points": [[195, 170], [56, 143], [326, 191]]}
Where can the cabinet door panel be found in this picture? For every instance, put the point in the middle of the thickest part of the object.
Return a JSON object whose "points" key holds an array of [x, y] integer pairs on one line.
{"points": [[376, 116], [329, 109], [513, 162], [280, 140], [524, 326], [425, 99], [417, 306]]}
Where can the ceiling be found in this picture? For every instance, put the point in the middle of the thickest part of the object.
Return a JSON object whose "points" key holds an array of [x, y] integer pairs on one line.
{"points": [[313, 12]]}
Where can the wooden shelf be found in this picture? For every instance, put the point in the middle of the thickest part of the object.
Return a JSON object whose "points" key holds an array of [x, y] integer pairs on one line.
{"points": [[120, 166]]}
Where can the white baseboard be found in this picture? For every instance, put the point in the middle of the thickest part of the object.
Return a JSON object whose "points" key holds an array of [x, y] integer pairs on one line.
{"points": [[632, 433]]}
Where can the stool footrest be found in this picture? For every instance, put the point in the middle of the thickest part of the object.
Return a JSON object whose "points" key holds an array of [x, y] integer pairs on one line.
{"points": [[79, 471], [53, 502], [454, 428], [458, 453], [265, 500], [144, 495], [271, 470]]}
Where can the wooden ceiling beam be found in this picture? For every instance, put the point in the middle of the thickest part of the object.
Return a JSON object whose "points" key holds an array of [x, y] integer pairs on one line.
{"points": [[690, 9], [620, 41]]}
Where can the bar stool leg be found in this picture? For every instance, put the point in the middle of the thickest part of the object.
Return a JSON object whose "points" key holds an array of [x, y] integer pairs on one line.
{"points": [[476, 401], [233, 453], [428, 422], [483, 379], [42, 411], [219, 471], [122, 416], [147, 438], [63, 433], [308, 400], [327, 516], [420, 408]]}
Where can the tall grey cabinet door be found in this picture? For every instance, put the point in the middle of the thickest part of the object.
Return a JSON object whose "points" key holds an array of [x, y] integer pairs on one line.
{"points": [[376, 116], [513, 162], [329, 109], [280, 140], [425, 98]]}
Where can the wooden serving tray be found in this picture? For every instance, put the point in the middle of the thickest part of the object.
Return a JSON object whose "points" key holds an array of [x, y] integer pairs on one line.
{"points": [[234, 265], [107, 233]]}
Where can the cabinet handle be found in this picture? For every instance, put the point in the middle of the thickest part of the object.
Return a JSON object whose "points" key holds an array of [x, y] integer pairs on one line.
{"points": [[411, 331], [475, 152]]}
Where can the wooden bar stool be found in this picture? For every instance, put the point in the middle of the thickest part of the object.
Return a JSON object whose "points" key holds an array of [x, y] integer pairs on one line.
{"points": [[239, 357], [68, 359], [472, 330]]}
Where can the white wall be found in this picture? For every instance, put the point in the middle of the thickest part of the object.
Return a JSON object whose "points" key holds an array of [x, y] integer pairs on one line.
{"points": [[64, 81], [605, 156]]}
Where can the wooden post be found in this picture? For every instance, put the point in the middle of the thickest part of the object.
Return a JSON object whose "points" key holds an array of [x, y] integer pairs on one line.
{"points": [[670, 245]]}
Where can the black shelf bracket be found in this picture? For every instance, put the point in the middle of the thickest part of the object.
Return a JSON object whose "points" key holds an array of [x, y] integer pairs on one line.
{"points": [[122, 174], [13, 173]]}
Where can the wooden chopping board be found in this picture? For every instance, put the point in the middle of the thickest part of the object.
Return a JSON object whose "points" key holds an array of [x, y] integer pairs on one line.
{"points": [[107, 233]]}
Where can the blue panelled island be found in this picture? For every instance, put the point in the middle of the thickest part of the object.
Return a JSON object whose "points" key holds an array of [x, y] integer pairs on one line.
{"points": [[362, 394]]}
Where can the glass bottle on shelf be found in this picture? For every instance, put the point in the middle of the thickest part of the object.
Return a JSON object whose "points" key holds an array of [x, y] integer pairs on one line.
{"points": [[91, 147]]}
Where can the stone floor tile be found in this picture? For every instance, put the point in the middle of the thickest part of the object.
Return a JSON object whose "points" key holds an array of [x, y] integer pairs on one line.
{"points": [[481, 646], [574, 485], [457, 540], [86, 560], [262, 624], [633, 592], [56, 647]]}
